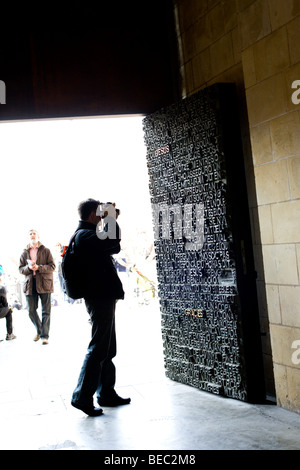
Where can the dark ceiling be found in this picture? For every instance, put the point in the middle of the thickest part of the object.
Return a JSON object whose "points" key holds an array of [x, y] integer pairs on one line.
{"points": [[85, 59]]}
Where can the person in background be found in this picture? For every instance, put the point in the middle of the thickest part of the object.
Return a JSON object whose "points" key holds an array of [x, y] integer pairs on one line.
{"points": [[37, 265], [58, 251], [6, 310]]}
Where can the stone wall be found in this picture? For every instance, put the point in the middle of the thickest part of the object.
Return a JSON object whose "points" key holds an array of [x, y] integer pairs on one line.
{"points": [[256, 44]]}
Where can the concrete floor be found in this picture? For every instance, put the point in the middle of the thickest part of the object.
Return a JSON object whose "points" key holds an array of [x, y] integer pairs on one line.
{"points": [[37, 382]]}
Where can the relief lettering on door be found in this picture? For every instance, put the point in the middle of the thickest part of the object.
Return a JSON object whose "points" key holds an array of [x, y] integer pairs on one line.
{"points": [[196, 265]]}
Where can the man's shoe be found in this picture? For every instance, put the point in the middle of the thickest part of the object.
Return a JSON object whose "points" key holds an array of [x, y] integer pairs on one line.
{"points": [[10, 337], [89, 410], [115, 400], [45, 341], [36, 338]]}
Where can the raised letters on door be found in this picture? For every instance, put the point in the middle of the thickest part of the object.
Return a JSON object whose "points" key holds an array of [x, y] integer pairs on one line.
{"points": [[195, 246]]}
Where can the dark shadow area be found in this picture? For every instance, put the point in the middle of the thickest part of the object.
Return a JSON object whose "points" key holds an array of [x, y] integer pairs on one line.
{"points": [[88, 59]]}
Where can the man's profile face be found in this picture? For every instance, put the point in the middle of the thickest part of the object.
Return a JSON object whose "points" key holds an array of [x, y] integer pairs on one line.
{"points": [[95, 218]]}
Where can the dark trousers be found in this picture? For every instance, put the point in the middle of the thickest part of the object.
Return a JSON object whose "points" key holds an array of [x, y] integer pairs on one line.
{"points": [[42, 326], [5, 312], [98, 374]]}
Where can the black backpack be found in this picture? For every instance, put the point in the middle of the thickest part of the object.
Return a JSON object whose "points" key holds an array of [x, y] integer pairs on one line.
{"points": [[72, 271]]}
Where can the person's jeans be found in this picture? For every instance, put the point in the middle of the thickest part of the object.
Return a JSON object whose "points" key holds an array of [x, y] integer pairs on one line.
{"points": [[42, 326], [5, 312], [98, 374]]}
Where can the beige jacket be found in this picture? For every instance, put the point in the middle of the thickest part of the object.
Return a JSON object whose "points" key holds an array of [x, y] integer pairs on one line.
{"points": [[44, 275]]}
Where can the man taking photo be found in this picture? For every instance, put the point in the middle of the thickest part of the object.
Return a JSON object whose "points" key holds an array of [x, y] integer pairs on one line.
{"points": [[102, 288]]}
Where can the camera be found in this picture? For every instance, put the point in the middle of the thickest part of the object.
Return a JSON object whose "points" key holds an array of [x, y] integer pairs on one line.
{"points": [[108, 209]]}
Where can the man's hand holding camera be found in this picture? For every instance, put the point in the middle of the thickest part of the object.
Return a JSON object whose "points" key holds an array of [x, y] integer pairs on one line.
{"points": [[109, 214]]}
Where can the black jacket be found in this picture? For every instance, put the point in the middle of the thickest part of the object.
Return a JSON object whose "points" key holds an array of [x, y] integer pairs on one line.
{"points": [[98, 271], [4, 309], [3, 297]]}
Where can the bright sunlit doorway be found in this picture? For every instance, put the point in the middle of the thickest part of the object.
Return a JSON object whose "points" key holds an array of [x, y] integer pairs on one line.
{"points": [[49, 166]]}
